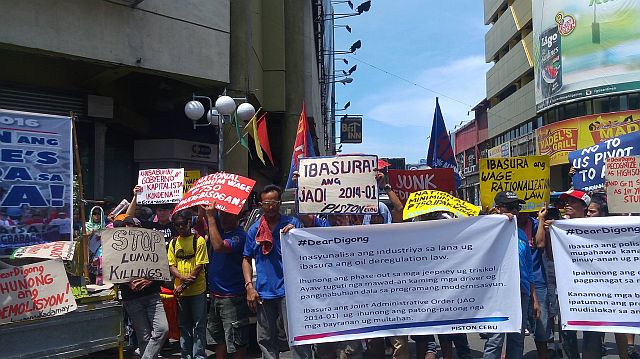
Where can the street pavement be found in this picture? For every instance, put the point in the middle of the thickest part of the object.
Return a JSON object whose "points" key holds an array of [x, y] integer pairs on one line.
{"points": [[474, 341]]}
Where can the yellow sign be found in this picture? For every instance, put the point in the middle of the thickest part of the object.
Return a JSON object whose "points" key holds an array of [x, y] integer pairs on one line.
{"points": [[190, 177], [428, 201], [527, 176], [558, 139]]}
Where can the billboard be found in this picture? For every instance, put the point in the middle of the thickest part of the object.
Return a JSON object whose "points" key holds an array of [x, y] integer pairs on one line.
{"points": [[351, 129], [559, 138], [500, 151], [585, 48]]}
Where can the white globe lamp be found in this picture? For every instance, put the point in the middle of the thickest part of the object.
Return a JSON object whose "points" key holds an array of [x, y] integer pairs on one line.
{"points": [[225, 105], [194, 110], [245, 112]]}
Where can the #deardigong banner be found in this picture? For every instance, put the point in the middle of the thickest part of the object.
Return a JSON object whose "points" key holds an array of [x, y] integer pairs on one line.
{"points": [[36, 177], [599, 259], [585, 48], [346, 283]]}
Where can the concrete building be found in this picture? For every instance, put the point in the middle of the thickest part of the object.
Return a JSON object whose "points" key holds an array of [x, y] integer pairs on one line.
{"points": [[126, 68]]}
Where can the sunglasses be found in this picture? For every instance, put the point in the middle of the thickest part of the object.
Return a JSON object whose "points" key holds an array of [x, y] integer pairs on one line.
{"points": [[269, 203], [511, 206]]}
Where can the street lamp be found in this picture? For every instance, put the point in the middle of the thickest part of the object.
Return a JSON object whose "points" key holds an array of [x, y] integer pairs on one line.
{"points": [[224, 106]]}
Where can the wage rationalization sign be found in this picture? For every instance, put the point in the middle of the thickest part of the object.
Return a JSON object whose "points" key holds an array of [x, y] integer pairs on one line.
{"points": [[384, 280]]}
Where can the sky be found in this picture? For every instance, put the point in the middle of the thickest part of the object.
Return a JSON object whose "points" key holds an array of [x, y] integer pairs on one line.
{"points": [[438, 45]]}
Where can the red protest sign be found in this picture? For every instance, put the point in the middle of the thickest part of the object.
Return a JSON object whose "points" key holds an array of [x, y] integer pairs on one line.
{"points": [[228, 190], [406, 182]]}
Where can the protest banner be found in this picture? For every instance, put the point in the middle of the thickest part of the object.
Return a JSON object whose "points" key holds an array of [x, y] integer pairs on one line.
{"points": [[36, 174], [35, 291], [343, 184], [190, 177], [229, 192], [129, 253], [404, 183], [428, 201], [623, 184], [527, 176], [346, 283], [159, 186], [63, 250], [598, 258], [589, 162]]}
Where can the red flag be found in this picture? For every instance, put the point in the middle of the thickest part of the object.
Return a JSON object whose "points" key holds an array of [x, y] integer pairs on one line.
{"points": [[263, 137]]}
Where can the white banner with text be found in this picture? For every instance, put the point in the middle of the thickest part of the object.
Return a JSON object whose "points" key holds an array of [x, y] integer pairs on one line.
{"points": [[356, 282]]}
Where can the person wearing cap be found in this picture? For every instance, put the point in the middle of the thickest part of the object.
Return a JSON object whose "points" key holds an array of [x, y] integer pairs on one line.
{"points": [[509, 204], [163, 214]]}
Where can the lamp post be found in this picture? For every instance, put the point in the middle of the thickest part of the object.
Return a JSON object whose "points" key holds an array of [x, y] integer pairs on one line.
{"points": [[224, 106]]}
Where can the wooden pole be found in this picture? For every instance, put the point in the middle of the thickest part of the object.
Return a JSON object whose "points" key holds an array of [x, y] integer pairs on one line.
{"points": [[78, 169]]}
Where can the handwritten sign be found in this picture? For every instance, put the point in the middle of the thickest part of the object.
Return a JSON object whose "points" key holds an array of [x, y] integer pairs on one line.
{"points": [[160, 185], [55, 250], [343, 184], [406, 182], [35, 291], [428, 201], [129, 253], [190, 178], [623, 184], [527, 176], [589, 162], [229, 191]]}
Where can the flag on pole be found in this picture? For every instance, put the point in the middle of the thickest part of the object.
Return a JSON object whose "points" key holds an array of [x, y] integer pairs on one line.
{"points": [[303, 147], [440, 154], [257, 128], [241, 139]]}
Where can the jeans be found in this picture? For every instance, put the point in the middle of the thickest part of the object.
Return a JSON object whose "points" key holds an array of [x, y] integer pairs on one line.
{"points": [[461, 343], [150, 323], [267, 325], [515, 341], [591, 344], [192, 320], [541, 329]]}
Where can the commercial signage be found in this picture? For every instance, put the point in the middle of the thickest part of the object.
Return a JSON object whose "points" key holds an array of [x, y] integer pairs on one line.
{"points": [[559, 138], [351, 129], [584, 49], [500, 151]]}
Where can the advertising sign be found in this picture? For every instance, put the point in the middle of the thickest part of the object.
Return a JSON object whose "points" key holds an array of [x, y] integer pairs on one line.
{"points": [[589, 163], [406, 182], [229, 192], [556, 140], [163, 185], [36, 177], [500, 151], [585, 49], [343, 184], [356, 282], [623, 184], [435, 201], [351, 129], [598, 258], [527, 176]]}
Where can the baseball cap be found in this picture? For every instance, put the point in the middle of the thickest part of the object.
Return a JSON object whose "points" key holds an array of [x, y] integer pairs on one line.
{"points": [[507, 197], [577, 194]]}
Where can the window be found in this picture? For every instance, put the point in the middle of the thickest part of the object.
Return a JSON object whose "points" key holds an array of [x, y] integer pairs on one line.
{"points": [[571, 110], [614, 104], [634, 101], [600, 105], [624, 103]]}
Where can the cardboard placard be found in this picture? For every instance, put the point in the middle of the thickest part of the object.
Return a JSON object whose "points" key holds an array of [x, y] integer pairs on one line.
{"points": [[54, 250], [404, 183], [428, 201], [343, 184], [229, 191], [35, 291], [163, 185], [132, 252], [527, 176], [623, 184], [190, 178]]}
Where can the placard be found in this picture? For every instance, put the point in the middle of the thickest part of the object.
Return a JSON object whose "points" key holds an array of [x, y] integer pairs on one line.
{"points": [[163, 185], [63, 250], [35, 291], [133, 252], [589, 162], [343, 184], [356, 282], [527, 176], [229, 191], [435, 201], [404, 183], [36, 174], [623, 184], [599, 259], [190, 178]]}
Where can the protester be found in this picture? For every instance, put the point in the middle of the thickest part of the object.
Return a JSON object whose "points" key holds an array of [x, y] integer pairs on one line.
{"points": [[141, 300], [509, 204], [96, 222], [64, 225], [163, 214], [228, 321], [187, 255], [267, 298]]}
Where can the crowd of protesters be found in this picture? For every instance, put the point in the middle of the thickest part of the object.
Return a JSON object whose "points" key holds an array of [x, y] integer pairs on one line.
{"points": [[212, 261]]}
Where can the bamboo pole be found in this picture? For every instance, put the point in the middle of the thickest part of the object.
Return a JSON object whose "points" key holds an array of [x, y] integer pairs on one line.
{"points": [[78, 169]]}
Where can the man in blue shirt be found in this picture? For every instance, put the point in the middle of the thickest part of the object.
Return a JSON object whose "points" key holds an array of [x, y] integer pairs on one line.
{"points": [[267, 298], [509, 204], [228, 322]]}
